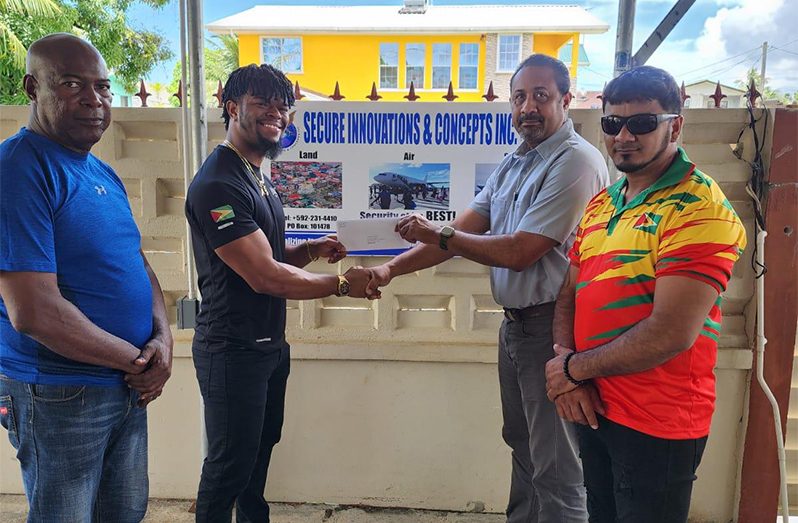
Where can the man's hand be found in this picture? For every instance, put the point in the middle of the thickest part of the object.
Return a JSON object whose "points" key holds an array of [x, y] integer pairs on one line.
{"points": [[358, 279], [380, 277], [556, 382], [580, 405], [416, 228], [156, 361], [327, 247]]}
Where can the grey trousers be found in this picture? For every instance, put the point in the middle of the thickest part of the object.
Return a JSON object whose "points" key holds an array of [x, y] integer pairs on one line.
{"points": [[547, 484]]}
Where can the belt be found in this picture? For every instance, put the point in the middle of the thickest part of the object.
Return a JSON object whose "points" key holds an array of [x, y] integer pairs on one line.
{"points": [[533, 311]]}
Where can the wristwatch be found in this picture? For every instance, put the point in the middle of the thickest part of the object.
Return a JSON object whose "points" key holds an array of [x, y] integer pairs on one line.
{"points": [[343, 286], [446, 233]]}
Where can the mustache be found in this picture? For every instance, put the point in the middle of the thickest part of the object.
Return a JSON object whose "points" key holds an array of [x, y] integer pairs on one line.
{"points": [[530, 118]]}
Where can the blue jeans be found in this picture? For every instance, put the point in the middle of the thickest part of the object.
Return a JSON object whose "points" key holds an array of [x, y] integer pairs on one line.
{"points": [[82, 449]]}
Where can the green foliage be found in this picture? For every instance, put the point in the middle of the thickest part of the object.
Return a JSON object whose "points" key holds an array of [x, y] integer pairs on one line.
{"points": [[10, 44], [221, 59], [129, 53], [769, 93]]}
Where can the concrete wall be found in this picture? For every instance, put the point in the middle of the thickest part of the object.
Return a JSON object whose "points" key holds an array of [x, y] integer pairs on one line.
{"points": [[393, 402]]}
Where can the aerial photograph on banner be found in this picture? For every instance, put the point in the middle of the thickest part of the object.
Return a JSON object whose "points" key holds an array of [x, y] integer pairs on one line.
{"points": [[308, 185], [482, 172], [409, 186]]}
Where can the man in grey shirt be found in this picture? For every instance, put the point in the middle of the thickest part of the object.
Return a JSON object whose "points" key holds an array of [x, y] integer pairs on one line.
{"points": [[522, 225]]}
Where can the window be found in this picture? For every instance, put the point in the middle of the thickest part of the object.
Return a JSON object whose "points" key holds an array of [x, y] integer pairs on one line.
{"points": [[441, 65], [283, 53], [469, 60], [389, 66], [509, 53], [414, 65]]}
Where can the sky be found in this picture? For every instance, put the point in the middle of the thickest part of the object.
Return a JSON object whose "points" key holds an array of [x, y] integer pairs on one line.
{"points": [[717, 40], [430, 172]]}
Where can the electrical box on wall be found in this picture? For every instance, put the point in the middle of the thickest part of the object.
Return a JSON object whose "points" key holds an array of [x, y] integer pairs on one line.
{"points": [[187, 310]]}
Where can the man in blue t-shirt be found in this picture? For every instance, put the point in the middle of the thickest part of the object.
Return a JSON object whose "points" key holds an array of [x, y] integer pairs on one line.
{"points": [[85, 342]]}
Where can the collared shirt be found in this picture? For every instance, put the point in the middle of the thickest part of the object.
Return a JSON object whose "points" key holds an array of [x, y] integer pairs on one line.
{"points": [[682, 225], [542, 191]]}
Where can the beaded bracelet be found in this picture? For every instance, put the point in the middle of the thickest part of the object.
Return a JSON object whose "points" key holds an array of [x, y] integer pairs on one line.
{"points": [[567, 373]]}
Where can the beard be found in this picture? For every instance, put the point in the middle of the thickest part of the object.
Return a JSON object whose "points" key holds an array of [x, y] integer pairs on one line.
{"points": [[628, 166], [531, 135], [270, 150]]}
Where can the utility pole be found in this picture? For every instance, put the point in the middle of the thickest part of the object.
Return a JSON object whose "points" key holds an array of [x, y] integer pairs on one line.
{"points": [[762, 70], [624, 36], [196, 59]]}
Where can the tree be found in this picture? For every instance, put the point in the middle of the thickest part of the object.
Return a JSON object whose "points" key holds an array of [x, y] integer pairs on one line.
{"points": [[129, 53], [221, 59], [769, 93], [10, 43]]}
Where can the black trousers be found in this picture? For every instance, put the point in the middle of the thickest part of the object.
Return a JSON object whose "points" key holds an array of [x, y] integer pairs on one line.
{"points": [[244, 395], [632, 477]]}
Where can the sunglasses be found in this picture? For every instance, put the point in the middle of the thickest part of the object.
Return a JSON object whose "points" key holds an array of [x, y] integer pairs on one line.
{"points": [[636, 124]]}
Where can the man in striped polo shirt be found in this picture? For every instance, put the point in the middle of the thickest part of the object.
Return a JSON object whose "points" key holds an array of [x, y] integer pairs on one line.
{"points": [[638, 317]]}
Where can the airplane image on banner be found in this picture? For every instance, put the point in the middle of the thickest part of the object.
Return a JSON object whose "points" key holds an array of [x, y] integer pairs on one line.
{"points": [[409, 186], [398, 183]]}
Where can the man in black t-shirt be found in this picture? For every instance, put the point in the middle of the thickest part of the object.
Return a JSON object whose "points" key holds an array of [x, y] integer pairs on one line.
{"points": [[246, 272]]}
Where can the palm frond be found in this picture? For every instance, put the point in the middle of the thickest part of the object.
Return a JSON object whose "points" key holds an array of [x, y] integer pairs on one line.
{"points": [[31, 7], [11, 45]]}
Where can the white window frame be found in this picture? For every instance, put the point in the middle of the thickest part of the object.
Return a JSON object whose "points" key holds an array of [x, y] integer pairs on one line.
{"points": [[432, 72], [499, 52], [379, 67], [286, 37], [423, 66], [460, 66]]}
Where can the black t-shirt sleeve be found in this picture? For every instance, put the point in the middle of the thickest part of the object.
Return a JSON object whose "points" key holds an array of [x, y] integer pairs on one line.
{"points": [[223, 211]]}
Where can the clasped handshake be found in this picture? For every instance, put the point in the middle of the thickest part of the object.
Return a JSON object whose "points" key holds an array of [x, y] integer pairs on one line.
{"points": [[365, 282]]}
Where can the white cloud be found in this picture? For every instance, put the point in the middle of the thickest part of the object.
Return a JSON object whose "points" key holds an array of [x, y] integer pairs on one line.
{"points": [[727, 46]]}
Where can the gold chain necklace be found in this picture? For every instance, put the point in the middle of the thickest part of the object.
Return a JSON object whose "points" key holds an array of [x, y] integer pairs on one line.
{"points": [[264, 191]]}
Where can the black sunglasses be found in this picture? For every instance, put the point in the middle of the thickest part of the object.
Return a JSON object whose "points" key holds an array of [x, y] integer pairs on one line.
{"points": [[636, 124]]}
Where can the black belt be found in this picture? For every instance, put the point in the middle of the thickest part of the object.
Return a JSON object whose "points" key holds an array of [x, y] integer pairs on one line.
{"points": [[533, 311]]}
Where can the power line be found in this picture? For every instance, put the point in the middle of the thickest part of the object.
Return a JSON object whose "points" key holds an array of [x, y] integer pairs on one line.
{"points": [[783, 50], [748, 52], [597, 73], [722, 70], [721, 61]]}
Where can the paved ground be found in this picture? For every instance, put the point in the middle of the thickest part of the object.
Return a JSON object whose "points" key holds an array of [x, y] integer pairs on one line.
{"points": [[14, 508]]}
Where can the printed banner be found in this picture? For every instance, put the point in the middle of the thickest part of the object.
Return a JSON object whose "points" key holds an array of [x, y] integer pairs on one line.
{"points": [[361, 160]]}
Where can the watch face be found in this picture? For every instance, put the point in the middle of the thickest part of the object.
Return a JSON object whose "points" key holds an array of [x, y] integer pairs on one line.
{"points": [[343, 288]]}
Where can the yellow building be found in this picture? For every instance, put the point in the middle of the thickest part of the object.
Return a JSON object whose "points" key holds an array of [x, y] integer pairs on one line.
{"points": [[392, 46]]}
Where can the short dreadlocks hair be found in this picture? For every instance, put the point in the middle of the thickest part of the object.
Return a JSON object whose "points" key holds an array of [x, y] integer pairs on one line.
{"points": [[263, 81]]}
